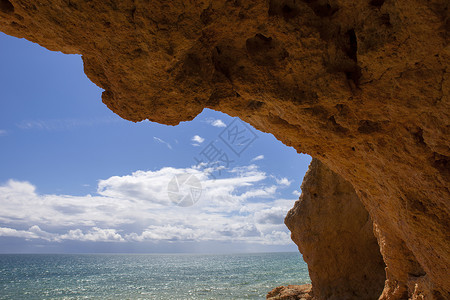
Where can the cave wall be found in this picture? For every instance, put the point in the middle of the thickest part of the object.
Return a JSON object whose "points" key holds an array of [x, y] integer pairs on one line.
{"points": [[334, 233], [361, 85]]}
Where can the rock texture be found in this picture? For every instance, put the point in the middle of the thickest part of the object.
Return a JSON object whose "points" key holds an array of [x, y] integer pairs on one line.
{"points": [[291, 292], [361, 85], [334, 233]]}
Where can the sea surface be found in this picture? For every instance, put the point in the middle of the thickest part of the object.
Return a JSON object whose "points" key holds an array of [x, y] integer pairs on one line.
{"points": [[147, 276]]}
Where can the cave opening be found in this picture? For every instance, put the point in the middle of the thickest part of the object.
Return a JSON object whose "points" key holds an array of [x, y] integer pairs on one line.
{"points": [[83, 152], [88, 181]]}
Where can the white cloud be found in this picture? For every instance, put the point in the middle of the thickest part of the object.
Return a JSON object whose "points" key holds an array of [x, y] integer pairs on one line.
{"points": [[197, 140], [296, 193], [165, 232], [259, 157], [162, 142], [239, 206], [215, 122], [34, 232], [284, 181], [64, 124], [272, 215], [278, 238], [148, 186], [4, 231], [3, 132], [94, 235], [218, 123]]}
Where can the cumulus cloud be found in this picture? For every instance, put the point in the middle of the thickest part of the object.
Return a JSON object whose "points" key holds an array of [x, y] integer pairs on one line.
{"points": [[197, 140], [93, 235], [284, 181], [215, 122], [240, 206], [166, 232], [259, 157], [34, 232], [4, 231], [296, 193], [161, 141], [218, 123], [273, 215]]}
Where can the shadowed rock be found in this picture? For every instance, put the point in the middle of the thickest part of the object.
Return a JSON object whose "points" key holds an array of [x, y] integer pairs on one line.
{"points": [[334, 233]]}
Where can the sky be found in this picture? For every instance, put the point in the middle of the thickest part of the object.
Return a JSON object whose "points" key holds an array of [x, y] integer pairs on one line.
{"points": [[76, 178]]}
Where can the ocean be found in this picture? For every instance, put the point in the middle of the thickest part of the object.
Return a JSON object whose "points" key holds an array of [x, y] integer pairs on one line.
{"points": [[148, 276]]}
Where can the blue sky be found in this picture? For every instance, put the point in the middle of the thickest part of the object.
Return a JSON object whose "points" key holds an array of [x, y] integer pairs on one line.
{"points": [[75, 177]]}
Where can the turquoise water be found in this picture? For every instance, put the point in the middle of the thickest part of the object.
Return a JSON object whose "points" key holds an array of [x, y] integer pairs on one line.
{"points": [[147, 276]]}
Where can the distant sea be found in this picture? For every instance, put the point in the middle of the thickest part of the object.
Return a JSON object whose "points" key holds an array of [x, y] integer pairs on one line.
{"points": [[147, 276]]}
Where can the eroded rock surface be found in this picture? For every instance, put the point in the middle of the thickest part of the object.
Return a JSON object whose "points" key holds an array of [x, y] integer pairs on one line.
{"points": [[361, 85], [334, 233], [291, 292]]}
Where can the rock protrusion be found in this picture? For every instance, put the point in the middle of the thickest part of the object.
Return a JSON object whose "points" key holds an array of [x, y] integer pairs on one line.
{"points": [[334, 233], [291, 292]]}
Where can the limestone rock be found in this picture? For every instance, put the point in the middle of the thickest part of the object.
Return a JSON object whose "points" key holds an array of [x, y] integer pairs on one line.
{"points": [[334, 233], [361, 85], [291, 292]]}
